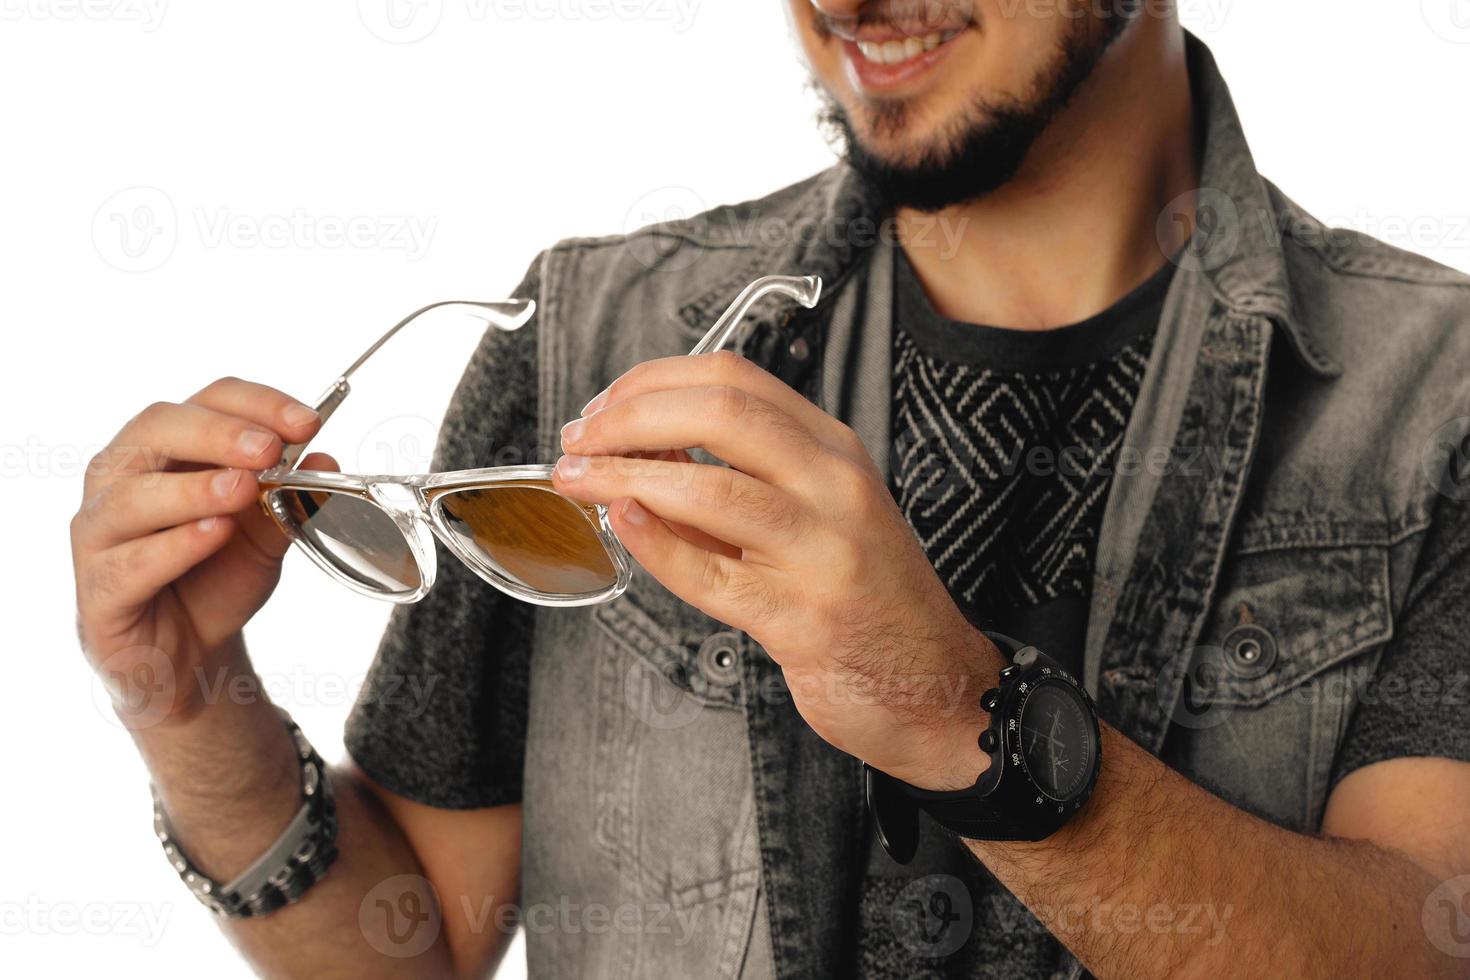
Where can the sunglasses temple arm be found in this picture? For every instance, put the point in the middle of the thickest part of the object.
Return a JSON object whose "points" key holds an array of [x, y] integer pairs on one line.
{"points": [[507, 315], [325, 406], [806, 290]]}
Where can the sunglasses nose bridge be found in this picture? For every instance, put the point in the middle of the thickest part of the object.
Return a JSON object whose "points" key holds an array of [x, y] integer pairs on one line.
{"points": [[405, 505]]}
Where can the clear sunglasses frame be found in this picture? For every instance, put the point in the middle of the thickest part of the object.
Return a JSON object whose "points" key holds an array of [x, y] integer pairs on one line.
{"points": [[415, 503]]}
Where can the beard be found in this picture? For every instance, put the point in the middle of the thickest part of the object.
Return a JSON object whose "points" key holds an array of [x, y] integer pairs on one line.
{"points": [[985, 146]]}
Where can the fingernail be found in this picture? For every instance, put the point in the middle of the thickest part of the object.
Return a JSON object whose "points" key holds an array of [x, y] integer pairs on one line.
{"points": [[598, 400], [297, 414], [634, 513], [572, 467], [225, 484], [573, 430], [206, 524], [254, 444]]}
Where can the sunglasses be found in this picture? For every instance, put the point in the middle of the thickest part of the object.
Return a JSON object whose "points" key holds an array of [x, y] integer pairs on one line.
{"points": [[376, 534]]}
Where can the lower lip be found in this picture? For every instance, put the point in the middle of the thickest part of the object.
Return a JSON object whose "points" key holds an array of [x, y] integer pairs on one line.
{"points": [[870, 76]]}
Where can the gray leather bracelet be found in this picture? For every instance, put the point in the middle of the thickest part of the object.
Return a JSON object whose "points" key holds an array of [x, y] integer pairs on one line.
{"points": [[298, 859]]}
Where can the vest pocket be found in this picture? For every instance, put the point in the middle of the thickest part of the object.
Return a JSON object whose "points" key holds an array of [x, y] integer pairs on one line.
{"points": [[1291, 640]]}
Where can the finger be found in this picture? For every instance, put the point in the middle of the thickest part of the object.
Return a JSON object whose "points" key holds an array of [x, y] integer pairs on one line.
{"points": [[163, 433], [744, 430], [140, 504], [262, 530], [728, 369], [262, 404], [119, 580], [720, 502], [721, 586]]}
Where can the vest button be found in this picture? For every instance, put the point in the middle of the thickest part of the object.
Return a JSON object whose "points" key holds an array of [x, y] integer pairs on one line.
{"points": [[1250, 650], [719, 658], [799, 349]]}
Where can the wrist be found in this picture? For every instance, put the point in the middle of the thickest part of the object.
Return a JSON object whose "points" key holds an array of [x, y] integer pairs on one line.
{"points": [[949, 756]]}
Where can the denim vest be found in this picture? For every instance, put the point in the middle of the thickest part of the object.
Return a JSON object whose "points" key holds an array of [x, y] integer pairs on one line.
{"points": [[1257, 544]]}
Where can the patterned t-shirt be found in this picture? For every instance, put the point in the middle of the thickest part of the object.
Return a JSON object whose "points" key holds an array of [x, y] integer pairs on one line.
{"points": [[1005, 444]]}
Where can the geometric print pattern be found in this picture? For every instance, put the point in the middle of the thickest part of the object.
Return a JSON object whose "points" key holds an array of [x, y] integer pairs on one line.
{"points": [[1004, 475]]}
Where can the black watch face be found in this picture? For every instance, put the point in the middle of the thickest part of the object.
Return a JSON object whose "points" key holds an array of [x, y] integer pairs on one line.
{"points": [[1057, 742]]}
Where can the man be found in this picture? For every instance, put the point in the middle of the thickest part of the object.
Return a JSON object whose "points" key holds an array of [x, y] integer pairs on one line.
{"points": [[1079, 376]]}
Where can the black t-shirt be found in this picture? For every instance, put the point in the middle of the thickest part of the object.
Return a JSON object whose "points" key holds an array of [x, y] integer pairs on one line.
{"points": [[1004, 444]]}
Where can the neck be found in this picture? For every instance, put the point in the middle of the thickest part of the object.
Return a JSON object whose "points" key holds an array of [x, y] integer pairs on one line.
{"points": [[1075, 230]]}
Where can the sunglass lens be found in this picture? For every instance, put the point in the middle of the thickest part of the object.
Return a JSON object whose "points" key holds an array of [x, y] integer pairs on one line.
{"points": [[532, 535], [354, 535]]}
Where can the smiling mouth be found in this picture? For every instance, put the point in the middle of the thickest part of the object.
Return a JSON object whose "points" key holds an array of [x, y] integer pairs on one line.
{"points": [[895, 51]]}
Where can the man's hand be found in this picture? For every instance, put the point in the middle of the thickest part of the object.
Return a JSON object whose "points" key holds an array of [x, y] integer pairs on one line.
{"points": [[798, 543]]}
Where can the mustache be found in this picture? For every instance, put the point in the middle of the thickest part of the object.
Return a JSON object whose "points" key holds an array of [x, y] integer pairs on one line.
{"points": [[911, 17]]}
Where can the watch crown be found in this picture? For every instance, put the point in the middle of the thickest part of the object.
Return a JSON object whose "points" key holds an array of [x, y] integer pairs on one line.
{"points": [[990, 699], [988, 741], [1007, 673]]}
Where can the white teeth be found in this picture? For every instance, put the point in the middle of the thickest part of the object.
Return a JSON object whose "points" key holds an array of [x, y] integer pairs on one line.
{"points": [[893, 52]]}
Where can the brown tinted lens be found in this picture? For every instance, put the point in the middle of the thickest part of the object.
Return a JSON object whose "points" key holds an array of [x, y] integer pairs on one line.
{"points": [[355, 535], [533, 535]]}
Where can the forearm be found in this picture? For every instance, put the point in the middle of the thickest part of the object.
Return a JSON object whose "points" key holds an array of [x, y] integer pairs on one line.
{"points": [[1159, 878], [229, 779]]}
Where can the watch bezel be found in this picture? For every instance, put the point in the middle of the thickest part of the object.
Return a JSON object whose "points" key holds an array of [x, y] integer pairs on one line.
{"points": [[1024, 688]]}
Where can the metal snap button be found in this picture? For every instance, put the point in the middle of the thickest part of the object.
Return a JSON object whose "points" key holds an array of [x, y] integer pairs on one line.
{"points": [[719, 658], [799, 349], [1250, 650]]}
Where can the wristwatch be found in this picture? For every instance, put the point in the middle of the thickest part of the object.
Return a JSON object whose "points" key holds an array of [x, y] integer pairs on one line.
{"points": [[1045, 753]]}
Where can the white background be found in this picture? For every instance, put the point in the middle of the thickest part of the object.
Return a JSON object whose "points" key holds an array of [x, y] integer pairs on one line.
{"points": [[491, 129]]}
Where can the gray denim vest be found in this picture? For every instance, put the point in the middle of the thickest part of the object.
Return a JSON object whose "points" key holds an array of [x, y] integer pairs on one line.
{"points": [[682, 821]]}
